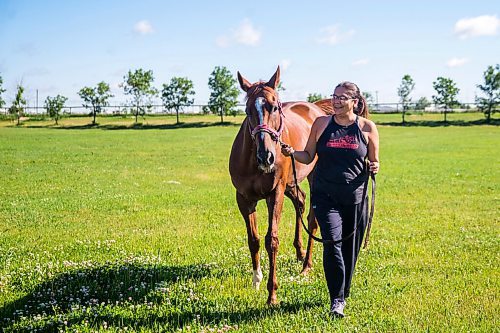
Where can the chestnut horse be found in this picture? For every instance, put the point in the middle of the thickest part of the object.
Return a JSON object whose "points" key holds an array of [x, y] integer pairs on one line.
{"points": [[260, 171]]}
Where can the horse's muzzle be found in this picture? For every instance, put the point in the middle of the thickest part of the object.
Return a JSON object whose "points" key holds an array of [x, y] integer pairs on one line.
{"points": [[265, 161]]}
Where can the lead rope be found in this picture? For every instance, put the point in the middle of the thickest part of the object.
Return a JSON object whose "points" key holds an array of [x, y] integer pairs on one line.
{"points": [[372, 209], [331, 241]]}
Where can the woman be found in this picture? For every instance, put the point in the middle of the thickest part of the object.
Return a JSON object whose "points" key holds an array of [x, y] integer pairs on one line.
{"points": [[344, 142]]}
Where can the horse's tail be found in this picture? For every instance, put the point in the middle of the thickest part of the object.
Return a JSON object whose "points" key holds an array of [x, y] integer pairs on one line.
{"points": [[325, 105]]}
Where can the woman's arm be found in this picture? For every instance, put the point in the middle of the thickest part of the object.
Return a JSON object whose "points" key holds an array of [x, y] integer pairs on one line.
{"points": [[307, 155], [373, 146]]}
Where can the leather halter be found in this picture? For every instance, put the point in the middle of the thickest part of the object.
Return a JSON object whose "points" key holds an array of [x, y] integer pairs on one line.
{"points": [[264, 128]]}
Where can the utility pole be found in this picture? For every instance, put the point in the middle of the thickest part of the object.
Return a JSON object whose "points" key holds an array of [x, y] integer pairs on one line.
{"points": [[36, 101]]}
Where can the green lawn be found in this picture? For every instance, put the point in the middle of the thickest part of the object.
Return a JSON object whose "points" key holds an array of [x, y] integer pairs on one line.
{"points": [[120, 226]]}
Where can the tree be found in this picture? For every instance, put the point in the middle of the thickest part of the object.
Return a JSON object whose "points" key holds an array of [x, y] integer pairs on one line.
{"points": [[422, 103], [176, 94], [139, 84], [54, 105], [491, 88], [18, 104], [96, 98], [311, 98], [369, 97], [2, 102], [404, 92], [446, 90], [224, 93]]}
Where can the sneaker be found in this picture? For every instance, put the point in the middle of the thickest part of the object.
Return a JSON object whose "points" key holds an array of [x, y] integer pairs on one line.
{"points": [[337, 308]]}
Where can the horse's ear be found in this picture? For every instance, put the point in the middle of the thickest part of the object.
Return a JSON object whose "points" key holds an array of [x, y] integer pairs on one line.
{"points": [[275, 80], [244, 84]]}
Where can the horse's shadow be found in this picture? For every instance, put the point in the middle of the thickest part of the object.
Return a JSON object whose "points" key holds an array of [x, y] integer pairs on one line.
{"points": [[124, 286]]}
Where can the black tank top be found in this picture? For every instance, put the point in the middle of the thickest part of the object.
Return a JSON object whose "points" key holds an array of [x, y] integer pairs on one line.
{"points": [[341, 169]]}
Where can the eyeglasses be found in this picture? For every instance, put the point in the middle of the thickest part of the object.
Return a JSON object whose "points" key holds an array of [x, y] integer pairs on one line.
{"points": [[341, 98]]}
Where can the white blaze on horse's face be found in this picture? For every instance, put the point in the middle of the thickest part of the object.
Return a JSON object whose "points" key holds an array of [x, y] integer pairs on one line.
{"points": [[266, 148], [259, 104]]}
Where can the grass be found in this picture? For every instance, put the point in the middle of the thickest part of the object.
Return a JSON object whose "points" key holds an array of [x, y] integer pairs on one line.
{"points": [[135, 228]]}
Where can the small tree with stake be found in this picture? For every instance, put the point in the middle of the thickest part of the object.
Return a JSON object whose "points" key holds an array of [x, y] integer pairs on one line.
{"points": [[404, 92], [18, 104], [139, 84], [491, 88], [2, 90], [176, 94], [224, 93], [54, 105], [447, 91], [95, 98]]}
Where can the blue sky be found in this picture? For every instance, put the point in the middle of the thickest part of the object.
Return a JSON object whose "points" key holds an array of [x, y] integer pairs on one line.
{"points": [[57, 47]]}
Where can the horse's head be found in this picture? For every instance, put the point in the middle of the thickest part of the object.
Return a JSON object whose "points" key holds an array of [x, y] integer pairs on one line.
{"points": [[264, 118]]}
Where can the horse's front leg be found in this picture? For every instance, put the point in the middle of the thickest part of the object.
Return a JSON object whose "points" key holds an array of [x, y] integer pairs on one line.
{"points": [[274, 207], [247, 210]]}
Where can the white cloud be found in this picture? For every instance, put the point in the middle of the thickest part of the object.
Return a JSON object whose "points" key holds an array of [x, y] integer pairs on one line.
{"points": [[361, 62], [245, 34], [143, 27], [456, 62], [285, 63], [485, 25], [332, 35]]}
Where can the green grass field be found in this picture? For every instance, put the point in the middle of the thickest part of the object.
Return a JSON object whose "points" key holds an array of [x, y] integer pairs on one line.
{"points": [[135, 228]]}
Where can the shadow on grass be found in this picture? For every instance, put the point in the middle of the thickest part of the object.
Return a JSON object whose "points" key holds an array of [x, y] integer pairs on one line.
{"points": [[441, 123], [108, 293], [90, 287], [138, 126]]}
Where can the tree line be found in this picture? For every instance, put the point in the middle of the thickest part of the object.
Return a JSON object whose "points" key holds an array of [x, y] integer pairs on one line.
{"points": [[224, 92], [138, 85], [446, 94]]}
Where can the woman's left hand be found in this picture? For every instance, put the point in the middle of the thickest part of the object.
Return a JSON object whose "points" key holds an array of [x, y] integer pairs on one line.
{"points": [[374, 167]]}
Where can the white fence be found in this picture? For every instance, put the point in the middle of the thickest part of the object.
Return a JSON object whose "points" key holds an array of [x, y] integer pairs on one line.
{"points": [[199, 109]]}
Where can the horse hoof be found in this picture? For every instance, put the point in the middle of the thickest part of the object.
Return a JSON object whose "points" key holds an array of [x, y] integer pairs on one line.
{"points": [[305, 271], [301, 256], [272, 301], [256, 285]]}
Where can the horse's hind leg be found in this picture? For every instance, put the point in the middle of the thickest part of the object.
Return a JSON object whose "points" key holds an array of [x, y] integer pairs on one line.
{"points": [[247, 210], [299, 204]]}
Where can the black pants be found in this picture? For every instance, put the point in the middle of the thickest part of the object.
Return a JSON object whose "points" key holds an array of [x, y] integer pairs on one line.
{"points": [[336, 221]]}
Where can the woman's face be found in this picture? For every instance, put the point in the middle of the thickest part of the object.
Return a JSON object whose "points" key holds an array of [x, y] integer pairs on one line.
{"points": [[342, 101]]}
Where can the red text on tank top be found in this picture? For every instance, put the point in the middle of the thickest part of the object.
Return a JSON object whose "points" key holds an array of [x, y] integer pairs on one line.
{"points": [[348, 142]]}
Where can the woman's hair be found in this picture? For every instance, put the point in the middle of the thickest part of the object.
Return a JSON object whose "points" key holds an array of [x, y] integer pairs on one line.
{"points": [[353, 90]]}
